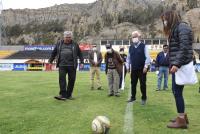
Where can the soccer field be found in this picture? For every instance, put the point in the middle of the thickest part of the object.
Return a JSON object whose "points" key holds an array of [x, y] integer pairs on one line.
{"points": [[27, 106]]}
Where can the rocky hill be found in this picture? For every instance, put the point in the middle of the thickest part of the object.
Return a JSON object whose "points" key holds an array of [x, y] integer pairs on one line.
{"points": [[103, 19]]}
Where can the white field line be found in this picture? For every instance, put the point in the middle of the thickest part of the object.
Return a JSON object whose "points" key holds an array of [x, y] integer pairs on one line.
{"points": [[128, 117]]}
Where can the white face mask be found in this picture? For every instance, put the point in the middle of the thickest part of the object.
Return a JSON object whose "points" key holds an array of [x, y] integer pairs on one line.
{"points": [[94, 49], [109, 50], [165, 23], [135, 40], [121, 52]]}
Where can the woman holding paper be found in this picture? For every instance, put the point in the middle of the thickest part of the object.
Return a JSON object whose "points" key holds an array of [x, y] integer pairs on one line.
{"points": [[180, 39]]}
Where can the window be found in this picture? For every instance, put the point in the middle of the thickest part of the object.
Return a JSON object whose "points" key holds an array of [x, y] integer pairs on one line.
{"points": [[118, 42], [125, 42], [103, 42]]}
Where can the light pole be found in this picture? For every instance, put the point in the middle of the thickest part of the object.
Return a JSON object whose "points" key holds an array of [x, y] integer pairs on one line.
{"points": [[1, 21]]}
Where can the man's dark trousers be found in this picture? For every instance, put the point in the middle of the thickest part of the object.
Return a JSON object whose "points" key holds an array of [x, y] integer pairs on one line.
{"points": [[63, 71], [135, 75]]}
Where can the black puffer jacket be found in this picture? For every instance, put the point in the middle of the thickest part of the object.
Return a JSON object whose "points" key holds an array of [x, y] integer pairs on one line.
{"points": [[180, 45]]}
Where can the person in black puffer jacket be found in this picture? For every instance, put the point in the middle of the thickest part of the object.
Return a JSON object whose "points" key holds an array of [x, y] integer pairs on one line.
{"points": [[180, 38]]}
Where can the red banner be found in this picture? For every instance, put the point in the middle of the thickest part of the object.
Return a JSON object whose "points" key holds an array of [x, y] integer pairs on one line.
{"points": [[85, 47]]}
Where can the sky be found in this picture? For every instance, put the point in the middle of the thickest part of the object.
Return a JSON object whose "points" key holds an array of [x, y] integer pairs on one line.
{"points": [[35, 4]]}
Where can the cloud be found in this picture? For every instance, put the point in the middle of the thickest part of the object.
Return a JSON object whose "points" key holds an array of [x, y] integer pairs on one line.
{"points": [[35, 4]]}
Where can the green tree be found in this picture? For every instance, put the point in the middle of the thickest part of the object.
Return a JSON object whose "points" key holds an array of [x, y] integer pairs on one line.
{"points": [[90, 29], [198, 39], [15, 30], [97, 27], [140, 16], [47, 39], [81, 33], [152, 29], [75, 33], [192, 3], [174, 7], [107, 19], [22, 42]]}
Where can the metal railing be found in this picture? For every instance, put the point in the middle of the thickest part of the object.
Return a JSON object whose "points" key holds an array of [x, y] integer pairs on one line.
{"points": [[148, 41]]}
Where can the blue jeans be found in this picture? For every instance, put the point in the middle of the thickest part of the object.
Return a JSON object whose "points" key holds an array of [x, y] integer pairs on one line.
{"points": [[178, 95], [163, 71]]}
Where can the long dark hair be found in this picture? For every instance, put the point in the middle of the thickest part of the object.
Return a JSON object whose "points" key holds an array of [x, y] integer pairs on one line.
{"points": [[172, 18]]}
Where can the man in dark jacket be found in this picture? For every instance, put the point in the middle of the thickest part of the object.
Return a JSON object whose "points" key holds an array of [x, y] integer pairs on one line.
{"points": [[66, 53], [113, 70], [162, 64], [139, 59], [95, 58]]}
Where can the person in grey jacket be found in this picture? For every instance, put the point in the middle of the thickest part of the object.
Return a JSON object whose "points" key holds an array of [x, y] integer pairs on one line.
{"points": [[180, 38], [66, 53]]}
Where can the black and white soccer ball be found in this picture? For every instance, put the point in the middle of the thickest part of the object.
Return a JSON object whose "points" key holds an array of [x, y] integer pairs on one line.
{"points": [[101, 125]]}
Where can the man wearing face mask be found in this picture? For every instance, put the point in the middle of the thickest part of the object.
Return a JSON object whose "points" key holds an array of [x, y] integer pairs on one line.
{"points": [[95, 58], [113, 70], [123, 56], [139, 60]]}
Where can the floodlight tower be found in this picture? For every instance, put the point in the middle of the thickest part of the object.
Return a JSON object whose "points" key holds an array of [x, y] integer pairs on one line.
{"points": [[1, 21]]}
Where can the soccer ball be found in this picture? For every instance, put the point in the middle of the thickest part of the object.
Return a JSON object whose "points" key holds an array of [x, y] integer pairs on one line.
{"points": [[100, 125]]}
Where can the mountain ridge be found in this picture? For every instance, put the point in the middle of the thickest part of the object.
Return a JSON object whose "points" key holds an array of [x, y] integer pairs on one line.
{"points": [[99, 20]]}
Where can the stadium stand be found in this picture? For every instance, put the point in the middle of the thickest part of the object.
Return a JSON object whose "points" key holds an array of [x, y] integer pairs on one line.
{"points": [[35, 54], [5, 53]]}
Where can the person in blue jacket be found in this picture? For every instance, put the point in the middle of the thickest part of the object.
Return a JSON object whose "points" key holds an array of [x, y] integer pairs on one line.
{"points": [[162, 65]]}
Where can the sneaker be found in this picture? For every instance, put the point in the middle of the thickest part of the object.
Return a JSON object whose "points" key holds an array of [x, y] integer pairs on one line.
{"points": [[131, 100], [143, 102], [158, 90], [99, 88], [117, 95], [165, 88], [60, 97], [109, 95]]}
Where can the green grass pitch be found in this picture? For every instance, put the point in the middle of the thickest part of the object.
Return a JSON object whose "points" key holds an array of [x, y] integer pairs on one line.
{"points": [[27, 106]]}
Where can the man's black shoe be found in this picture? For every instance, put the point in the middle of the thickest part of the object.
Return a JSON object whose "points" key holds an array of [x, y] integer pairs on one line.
{"points": [[131, 100], [99, 88], [110, 95], [143, 102], [60, 98], [70, 98], [117, 95]]}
